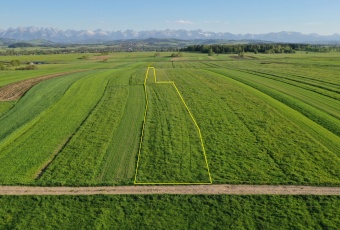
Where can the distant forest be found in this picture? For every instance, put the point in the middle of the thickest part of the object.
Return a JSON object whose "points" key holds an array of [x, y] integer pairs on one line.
{"points": [[20, 45], [260, 48], [163, 45]]}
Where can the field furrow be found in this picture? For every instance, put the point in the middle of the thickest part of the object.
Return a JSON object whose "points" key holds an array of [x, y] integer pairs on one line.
{"points": [[331, 92]]}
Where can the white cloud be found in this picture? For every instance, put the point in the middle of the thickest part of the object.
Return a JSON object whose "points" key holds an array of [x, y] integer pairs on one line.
{"points": [[184, 22]]}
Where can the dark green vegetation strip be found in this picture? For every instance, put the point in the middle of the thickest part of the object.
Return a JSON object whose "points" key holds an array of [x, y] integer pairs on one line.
{"points": [[169, 212], [5, 106]]}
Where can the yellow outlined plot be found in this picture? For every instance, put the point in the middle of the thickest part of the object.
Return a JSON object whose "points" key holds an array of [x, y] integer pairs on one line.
{"points": [[143, 132]]}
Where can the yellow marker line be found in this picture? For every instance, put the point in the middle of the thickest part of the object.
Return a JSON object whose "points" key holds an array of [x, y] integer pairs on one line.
{"points": [[144, 121]]}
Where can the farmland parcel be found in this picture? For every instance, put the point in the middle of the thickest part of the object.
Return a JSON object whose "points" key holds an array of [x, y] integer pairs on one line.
{"points": [[265, 119]]}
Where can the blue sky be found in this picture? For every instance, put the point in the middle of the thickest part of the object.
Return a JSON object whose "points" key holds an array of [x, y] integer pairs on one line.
{"points": [[238, 16]]}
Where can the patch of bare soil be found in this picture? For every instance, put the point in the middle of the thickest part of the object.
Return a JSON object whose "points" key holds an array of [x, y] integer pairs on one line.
{"points": [[179, 59], [178, 189], [14, 91]]}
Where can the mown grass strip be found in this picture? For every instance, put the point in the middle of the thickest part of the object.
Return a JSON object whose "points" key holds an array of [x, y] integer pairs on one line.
{"points": [[322, 98], [78, 160], [119, 162], [158, 180]]}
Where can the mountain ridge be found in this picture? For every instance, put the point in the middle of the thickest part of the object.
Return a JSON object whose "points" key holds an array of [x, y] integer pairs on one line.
{"points": [[75, 36]]}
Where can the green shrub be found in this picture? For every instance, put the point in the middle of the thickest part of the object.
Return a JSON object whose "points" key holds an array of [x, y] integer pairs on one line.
{"points": [[28, 67], [179, 54], [15, 63]]}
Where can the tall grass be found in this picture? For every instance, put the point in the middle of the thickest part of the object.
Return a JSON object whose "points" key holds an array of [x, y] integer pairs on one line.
{"points": [[169, 212]]}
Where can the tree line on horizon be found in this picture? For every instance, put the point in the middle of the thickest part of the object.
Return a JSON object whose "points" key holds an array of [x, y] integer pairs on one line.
{"points": [[260, 48]]}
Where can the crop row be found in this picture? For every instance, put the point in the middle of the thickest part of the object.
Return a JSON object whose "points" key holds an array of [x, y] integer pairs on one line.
{"points": [[331, 91]]}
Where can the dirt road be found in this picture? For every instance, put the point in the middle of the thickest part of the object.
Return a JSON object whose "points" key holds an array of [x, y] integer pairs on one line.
{"points": [[181, 189]]}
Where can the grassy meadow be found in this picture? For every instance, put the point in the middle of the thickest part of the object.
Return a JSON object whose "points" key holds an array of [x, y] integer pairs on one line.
{"points": [[264, 119], [169, 212]]}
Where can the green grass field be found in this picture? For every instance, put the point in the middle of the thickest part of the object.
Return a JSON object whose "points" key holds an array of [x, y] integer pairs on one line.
{"points": [[169, 212], [179, 157], [91, 156], [265, 119]]}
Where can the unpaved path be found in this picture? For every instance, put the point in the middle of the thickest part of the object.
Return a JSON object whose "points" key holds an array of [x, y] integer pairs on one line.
{"points": [[180, 189], [15, 90]]}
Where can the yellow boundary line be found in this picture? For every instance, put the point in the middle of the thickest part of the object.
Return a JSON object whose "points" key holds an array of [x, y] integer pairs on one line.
{"points": [[143, 127]]}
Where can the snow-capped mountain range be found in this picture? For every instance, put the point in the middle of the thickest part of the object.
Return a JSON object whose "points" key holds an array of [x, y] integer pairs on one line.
{"points": [[74, 36]]}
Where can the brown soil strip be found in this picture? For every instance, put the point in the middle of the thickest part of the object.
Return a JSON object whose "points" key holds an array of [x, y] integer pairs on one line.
{"points": [[181, 189], [16, 90]]}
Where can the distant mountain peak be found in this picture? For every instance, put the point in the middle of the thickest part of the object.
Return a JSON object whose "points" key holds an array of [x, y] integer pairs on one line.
{"points": [[75, 36]]}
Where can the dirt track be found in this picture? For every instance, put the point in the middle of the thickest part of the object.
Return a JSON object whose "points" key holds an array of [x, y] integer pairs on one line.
{"points": [[15, 90], [185, 189]]}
